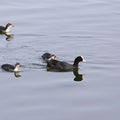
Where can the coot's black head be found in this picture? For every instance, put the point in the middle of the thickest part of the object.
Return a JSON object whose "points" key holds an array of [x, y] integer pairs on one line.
{"points": [[17, 64], [9, 25], [79, 59], [52, 57], [46, 56]]}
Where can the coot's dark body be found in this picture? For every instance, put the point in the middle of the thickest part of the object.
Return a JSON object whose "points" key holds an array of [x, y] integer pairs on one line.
{"points": [[63, 66]]}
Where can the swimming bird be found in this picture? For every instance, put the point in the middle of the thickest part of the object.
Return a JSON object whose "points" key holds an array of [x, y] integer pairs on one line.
{"points": [[11, 68], [64, 66], [6, 29], [48, 56]]}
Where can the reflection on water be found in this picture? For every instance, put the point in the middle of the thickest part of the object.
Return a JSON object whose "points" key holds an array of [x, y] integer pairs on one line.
{"points": [[9, 37], [78, 77], [17, 74], [67, 28]]}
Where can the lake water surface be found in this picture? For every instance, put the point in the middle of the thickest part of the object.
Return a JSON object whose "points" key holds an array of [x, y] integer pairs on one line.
{"points": [[67, 28]]}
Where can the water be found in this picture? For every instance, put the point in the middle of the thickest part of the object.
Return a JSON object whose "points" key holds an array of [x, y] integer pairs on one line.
{"points": [[67, 28]]}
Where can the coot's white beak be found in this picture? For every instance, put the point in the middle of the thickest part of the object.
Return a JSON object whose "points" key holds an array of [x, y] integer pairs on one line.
{"points": [[53, 57], [84, 60]]}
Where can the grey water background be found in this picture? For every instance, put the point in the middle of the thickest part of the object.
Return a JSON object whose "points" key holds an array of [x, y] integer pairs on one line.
{"points": [[67, 28]]}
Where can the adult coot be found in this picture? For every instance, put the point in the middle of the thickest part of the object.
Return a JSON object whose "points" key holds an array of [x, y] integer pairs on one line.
{"points": [[64, 66]]}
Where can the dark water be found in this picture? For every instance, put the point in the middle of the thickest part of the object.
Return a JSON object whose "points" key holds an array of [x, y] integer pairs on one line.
{"points": [[67, 28]]}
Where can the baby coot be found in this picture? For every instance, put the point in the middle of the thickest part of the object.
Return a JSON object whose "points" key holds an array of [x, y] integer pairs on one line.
{"points": [[11, 68], [48, 56], [64, 66], [6, 29]]}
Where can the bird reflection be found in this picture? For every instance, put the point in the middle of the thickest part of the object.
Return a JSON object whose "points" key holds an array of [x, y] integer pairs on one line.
{"points": [[17, 74], [78, 77], [9, 36]]}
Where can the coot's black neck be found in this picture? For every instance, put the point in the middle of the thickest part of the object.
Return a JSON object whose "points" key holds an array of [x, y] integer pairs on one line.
{"points": [[76, 64]]}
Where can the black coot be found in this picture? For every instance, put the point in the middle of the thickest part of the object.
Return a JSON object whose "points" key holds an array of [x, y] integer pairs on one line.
{"points": [[64, 66]]}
